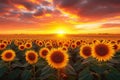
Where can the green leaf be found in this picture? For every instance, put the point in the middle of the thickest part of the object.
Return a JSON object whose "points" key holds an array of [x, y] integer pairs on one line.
{"points": [[71, 78], [113, 74], [70, 70], [53, 77], [46, 72], [3, 70], [14, 74], [78, 66], [99, 68], [85, 75], [18, 64], [26, 75]]}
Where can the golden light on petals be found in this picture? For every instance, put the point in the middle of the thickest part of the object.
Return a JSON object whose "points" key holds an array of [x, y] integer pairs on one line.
{"points": [[85, 51], [103, 51], [43, 52], [8, 55], [78, 43], [73, 45], [116, 47], [60, 43], [21, 47], [31, 57], [28, 45], [40, 43], [57, 58], [5, 42], [2, 46], [64, 48]]}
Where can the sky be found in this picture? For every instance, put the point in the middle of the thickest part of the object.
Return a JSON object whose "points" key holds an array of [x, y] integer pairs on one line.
{"points": [[59, 16]]}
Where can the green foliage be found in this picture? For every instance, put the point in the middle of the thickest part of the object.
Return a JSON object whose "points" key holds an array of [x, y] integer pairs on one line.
{"points": [[77, 68], [85, 75], [3, 69], [26, 75]]}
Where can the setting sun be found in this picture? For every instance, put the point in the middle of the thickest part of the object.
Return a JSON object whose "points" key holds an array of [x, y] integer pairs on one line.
{"points": [[60, 29], [61, 32]]}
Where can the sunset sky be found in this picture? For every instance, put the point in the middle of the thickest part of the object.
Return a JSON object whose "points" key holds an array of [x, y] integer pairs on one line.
{"points": [[59, 16]]}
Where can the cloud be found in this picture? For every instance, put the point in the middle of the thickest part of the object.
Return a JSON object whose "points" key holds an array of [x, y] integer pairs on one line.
{"points": [[70, 12], [90, 10], [110, 25], [25, 9]]}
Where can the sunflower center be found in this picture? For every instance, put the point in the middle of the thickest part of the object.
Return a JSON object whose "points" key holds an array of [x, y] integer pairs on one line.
{"points": [[86, 51], [21, 47], [73, 46], [115, 47], [8, 55], [66, 45], [60, 43], [44, 52], [28, 45], [19, 43], [40, 43], [2, 46], [31, 56], [57, 57], [5, 42], [102, 49], [78, 43], [64, 49], [49, 47]]}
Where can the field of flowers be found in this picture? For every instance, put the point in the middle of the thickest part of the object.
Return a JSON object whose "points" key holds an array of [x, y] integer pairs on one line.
{"points": [[27, 59]]}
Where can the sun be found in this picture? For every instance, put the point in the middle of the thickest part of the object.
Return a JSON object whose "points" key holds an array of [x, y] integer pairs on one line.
{"points": [[60, 32]]}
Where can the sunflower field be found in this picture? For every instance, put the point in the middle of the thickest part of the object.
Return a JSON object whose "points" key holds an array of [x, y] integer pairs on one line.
{"points": [[27, 59]]}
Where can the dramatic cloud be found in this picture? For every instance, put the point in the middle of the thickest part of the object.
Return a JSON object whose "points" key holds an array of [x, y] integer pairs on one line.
{"points": [[75, 14], [110, 25], [90, 9]]}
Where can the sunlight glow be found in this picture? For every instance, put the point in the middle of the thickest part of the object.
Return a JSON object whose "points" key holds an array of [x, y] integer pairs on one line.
{"points": [[61, 32]]}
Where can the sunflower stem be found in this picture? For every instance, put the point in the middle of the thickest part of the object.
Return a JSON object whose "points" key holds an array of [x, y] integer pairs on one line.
{"points": [[9, 66], [58, 73], [34, 72]]}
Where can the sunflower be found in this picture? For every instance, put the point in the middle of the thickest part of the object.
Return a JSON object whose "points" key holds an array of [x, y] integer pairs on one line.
{"points": [[9, 42], [8, 55], [64, 48], [57, 58], [28, 45], [36, 41], [54, 44], [5, 41], [118, 41], [2, 46], [116, 47], [60, 43], [73, 45], [113, 42], [85, 51], [19, 43], [103, 51], [31, 57], [49, 47], [40, 43], [43, 52], [48, 43], [66, 44], [29, 41], [78, 42], [21, 47]]}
